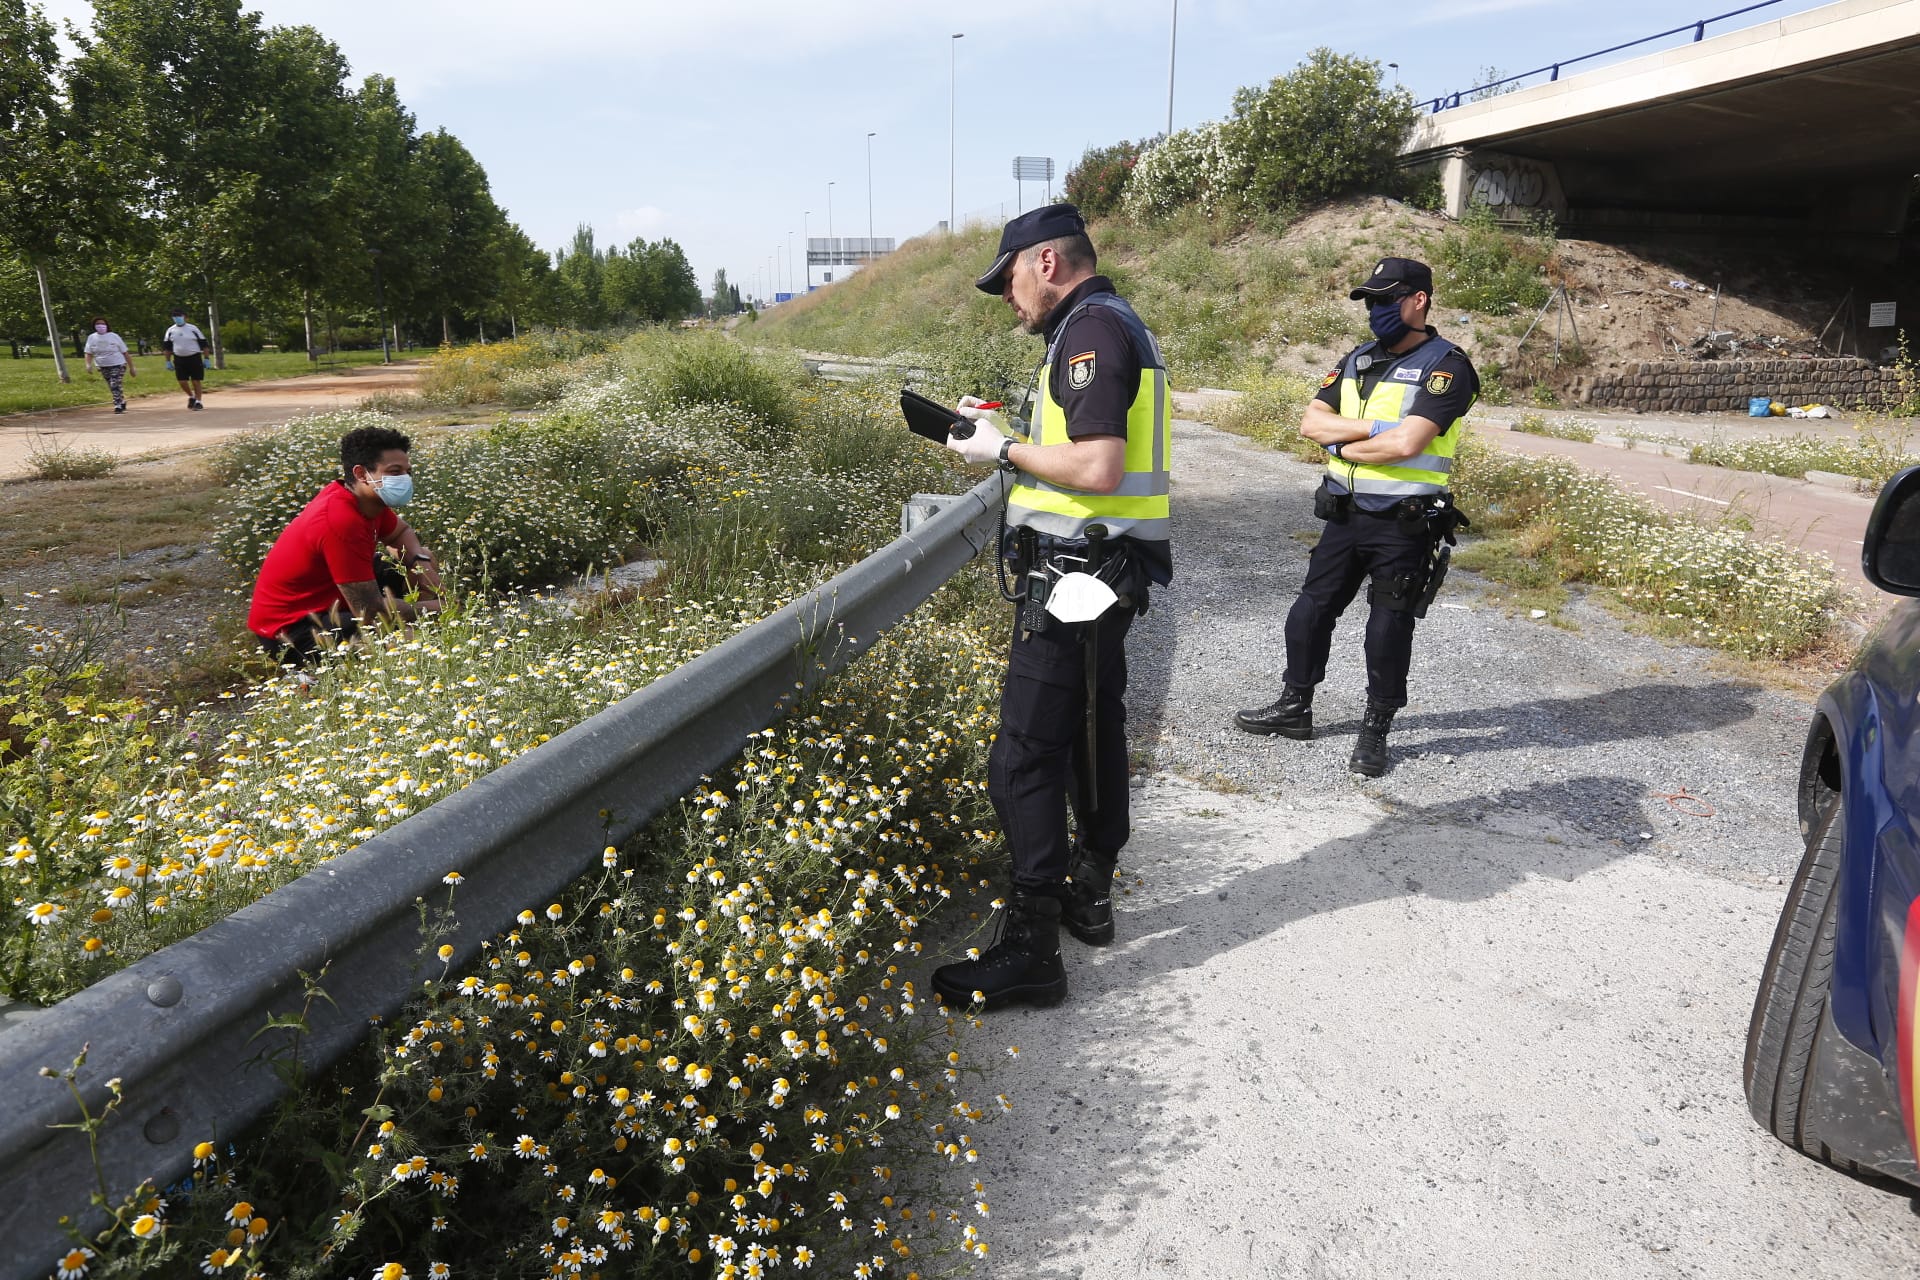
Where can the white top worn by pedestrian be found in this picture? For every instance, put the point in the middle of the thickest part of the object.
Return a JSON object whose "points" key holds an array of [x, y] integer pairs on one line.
{"points": [[106, 349], [187, 340]]}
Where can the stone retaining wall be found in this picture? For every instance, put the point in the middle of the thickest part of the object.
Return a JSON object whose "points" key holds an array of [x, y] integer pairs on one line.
{"points": [[1712, 386]]}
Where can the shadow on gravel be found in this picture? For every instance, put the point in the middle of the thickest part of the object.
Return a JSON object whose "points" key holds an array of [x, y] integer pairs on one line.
{"points": [[1641, 711], [1116, 1096]]}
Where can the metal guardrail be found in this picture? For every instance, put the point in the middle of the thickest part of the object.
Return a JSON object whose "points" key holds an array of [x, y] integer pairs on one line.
{"points": [[178, 1027], [1447, 102]]}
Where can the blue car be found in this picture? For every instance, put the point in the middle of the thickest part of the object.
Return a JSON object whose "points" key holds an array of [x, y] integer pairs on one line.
{"points": [[1834, 1044]]}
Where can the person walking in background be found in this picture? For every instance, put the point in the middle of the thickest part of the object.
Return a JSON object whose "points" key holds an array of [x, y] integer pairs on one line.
{"points": [[106, 352], [183, 344], [1389, 417]]}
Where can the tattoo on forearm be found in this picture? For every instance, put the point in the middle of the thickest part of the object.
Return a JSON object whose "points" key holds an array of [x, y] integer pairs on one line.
{"points": [[364, 598]]}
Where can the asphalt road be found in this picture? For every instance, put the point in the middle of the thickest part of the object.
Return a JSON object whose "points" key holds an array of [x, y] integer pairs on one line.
{"points": [[1482, 1018]]}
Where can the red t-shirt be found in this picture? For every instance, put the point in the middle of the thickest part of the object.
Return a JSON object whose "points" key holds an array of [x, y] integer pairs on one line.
{"points": [[328, 543]]}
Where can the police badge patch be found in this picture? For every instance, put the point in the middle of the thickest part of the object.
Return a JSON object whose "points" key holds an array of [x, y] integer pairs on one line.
{"points": [[1080, 371], [1333, 376], [1439, 382]]}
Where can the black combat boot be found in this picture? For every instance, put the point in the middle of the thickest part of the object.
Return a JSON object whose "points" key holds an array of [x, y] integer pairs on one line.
{"points": [[1291, 716], [1088, 914], [1370, 752], [1022, 966]]}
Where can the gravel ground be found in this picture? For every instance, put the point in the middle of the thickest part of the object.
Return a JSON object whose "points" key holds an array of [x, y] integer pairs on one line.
{"points": [[1590, 727], [1480, 1018]]}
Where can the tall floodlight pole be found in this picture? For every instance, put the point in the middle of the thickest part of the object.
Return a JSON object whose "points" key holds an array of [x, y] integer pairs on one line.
{"points": [[806, 243], [953, 82], [870, 193], [1173, 40], [790, 288], [833, 247]]}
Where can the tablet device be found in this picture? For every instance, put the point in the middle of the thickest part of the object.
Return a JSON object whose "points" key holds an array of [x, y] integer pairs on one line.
{"points": [[931, 419]]}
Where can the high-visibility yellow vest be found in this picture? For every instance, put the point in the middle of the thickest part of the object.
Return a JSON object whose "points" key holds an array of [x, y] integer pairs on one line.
{"points": [[1392, 396], [1139, 507]]}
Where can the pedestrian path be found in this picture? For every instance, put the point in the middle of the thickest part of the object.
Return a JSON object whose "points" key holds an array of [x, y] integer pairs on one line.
{"points": [[155, 423]]}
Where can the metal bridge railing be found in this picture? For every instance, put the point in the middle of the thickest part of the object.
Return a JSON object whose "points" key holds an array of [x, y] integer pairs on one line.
{"points": [[178, 1027], [1446, 102]]}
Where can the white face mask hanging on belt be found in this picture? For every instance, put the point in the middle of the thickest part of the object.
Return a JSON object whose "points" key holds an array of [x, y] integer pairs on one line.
{"points": [[1080, 597]]}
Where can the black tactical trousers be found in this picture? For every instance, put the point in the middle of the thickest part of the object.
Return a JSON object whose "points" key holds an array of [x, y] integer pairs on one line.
{"points": [[1036, 762], [1348, 553]]}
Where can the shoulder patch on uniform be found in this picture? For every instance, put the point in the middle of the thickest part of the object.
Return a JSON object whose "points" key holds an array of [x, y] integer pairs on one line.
{"points": [[1439, 382], [1080, 371], [1333, 376]]}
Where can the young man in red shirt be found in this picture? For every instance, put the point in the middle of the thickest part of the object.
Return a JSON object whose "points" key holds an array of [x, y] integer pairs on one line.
{"points": [[324, 575]]}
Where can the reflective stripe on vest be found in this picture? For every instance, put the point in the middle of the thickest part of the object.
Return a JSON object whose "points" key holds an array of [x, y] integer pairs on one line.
{"points": [[1392, 395], [1139, 507]]}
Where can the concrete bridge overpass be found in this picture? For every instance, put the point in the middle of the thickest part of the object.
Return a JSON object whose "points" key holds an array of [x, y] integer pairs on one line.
{"points": [[1806, 126]]}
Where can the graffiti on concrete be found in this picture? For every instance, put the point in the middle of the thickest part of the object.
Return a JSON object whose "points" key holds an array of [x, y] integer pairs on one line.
{"points": [[1509, 182]]}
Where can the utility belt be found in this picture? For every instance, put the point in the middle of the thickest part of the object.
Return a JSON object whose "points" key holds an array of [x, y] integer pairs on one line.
{"points": [[1431, 516], [1040, 560]]}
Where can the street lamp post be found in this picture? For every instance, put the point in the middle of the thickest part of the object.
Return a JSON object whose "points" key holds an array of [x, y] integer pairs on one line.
{"points": [[806, 243], [1173, 41], [869, 195], [790, 262], [833, 248], [380, 299], [953, 81]]}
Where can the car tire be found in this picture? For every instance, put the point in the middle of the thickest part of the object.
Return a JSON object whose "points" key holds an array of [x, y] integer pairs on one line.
{"points": [[1792, 1002]]}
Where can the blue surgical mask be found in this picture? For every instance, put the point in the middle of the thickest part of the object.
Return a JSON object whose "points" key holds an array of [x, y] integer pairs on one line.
{"points": [[1384, 319], [395, 491], [179, 319]]}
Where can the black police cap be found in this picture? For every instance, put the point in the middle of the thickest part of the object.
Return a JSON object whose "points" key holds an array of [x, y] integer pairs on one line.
{"points": [[1394, 274], [1037, 226]]}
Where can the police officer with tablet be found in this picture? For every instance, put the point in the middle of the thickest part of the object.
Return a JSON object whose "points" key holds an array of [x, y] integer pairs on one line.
{"points": [[1088, 499]]}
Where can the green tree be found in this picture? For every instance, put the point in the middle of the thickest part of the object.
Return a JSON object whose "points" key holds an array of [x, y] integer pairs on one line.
{"points": [[1096, 184], [462, 272], [187, 78], [56, 199], [577, 270], [387, 192], [721, 301], [526, 279], [290, 218], [1325, 128]]}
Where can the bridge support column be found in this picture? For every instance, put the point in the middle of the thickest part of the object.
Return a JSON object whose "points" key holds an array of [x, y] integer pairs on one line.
{"points": [[1514, 187]]}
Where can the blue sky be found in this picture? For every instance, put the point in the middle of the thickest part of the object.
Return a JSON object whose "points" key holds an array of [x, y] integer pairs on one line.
{"points": [[720, 123]]}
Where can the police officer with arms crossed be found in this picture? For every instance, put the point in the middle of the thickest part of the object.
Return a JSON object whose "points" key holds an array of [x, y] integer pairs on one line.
{"points": [[1089, 493], [1389, 417]]}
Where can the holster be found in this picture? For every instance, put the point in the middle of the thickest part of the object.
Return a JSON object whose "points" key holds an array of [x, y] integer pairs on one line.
{"points": [[1331, 506], [1436, 574]]}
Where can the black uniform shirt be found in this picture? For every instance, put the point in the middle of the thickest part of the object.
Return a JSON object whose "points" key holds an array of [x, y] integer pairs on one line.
{"points": [[1095, 380], [1096, 373], [1444, 407]]}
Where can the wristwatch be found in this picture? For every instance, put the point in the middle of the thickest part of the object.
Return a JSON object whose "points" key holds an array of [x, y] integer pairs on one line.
{"points": [[1334, 448], [421, 558], [1006, 447]]}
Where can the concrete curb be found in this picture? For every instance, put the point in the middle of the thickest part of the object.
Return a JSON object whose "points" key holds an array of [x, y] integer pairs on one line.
{"points": [[1834, 480]]}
